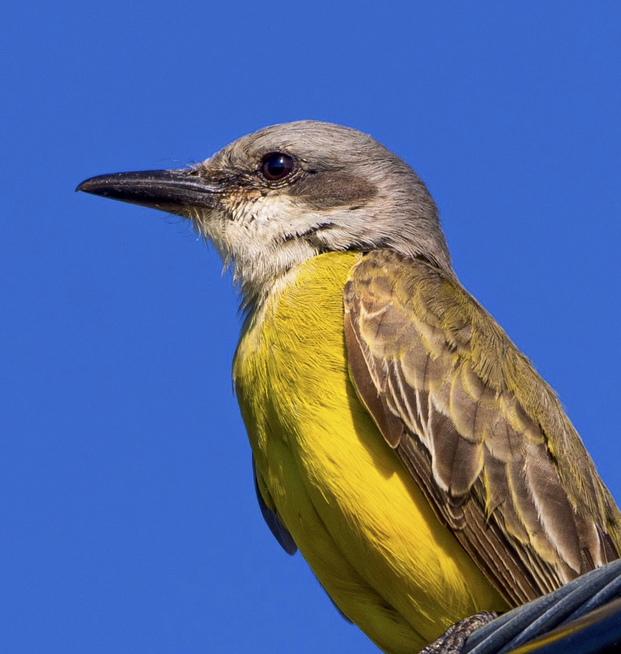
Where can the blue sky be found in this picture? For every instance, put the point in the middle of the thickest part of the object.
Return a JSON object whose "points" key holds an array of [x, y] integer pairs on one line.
{"points": [[127, 511]]}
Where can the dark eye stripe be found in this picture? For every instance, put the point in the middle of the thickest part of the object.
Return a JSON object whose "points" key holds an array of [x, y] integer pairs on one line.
{"points": [[276, 166]]}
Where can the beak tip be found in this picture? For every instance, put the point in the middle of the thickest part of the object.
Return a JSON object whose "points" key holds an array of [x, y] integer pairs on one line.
{"points": [[86, 186]]}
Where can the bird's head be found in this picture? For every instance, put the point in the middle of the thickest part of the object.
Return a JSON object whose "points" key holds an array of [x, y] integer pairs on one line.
{"points": [[284, 194]]}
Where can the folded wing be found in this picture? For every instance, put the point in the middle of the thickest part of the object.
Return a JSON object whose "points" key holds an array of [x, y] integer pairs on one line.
{"points": [[482, 434]]}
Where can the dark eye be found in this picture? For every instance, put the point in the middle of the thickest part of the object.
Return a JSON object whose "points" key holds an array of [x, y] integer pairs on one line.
{"points": [[277, 166]]}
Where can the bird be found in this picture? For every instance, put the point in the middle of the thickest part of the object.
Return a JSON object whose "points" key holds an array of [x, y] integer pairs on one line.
{"points": [[400, 441]]}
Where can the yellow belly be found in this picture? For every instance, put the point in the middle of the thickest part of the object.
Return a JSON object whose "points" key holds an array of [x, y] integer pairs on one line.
{"points": [[358, 518]]}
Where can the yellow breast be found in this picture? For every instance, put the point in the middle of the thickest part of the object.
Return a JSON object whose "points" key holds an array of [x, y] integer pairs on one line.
{"points": [[356, 515]]}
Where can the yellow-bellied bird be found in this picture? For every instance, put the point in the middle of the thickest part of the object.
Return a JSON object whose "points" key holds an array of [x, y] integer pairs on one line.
{"points": [[400, 440]]}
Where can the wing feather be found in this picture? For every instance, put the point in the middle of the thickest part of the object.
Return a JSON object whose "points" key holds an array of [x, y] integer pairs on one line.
{"points": [[270, 515], [480, 432]]}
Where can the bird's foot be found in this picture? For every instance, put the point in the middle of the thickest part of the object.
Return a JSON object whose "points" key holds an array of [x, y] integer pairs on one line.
{"points": [[453, 639]]}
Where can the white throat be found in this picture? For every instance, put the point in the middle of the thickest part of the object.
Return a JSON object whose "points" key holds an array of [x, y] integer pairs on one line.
{"points": [[259, 240]]}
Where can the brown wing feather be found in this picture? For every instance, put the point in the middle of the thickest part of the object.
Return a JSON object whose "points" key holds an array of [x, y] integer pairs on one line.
{"points": [[477, 428]]}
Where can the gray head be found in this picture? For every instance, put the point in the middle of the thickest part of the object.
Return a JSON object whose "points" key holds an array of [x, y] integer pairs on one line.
{"points": [[279, 196]]}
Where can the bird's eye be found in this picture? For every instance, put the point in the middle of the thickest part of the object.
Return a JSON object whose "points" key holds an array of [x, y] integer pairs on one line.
{"points": [[276, 166]]}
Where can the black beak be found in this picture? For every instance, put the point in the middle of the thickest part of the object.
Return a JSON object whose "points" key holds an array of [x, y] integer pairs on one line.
{"points": [[168, 190]]}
